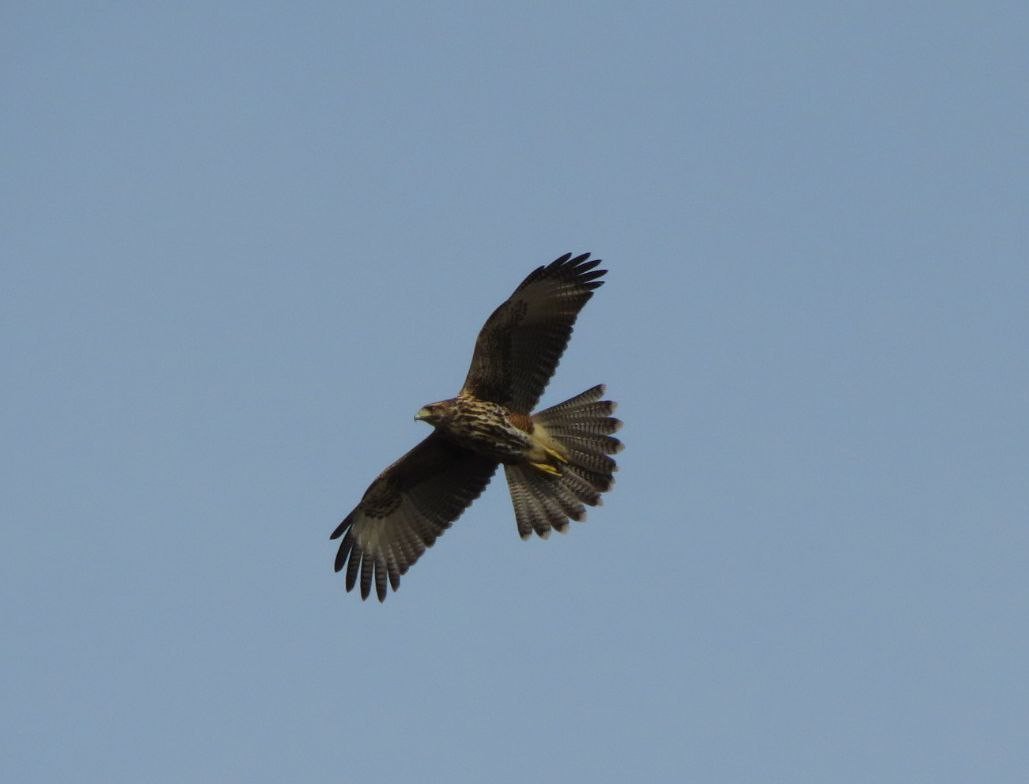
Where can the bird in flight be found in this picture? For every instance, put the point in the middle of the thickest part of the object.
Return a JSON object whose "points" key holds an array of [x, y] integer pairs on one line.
{"points": [[556, 460]]}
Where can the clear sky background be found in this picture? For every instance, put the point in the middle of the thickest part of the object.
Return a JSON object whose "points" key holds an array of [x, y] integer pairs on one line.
{"points": [[242, 243]]}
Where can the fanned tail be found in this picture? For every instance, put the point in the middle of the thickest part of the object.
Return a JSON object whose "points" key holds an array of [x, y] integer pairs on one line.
{"points": [[579, 429]]}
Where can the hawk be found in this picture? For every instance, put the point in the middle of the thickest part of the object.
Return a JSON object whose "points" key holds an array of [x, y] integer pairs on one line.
{"points": [[556, 460]]}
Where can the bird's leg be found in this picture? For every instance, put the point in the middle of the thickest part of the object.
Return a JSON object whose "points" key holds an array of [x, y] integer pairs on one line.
{"points": [[546, 468], [553, 464], [555, 454]]}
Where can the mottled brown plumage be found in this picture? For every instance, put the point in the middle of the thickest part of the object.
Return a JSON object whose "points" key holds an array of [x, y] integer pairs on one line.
{"points": [[555, 460], [521, 343]]}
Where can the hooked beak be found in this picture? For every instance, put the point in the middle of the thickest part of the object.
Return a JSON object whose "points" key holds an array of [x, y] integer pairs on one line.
{"points": [[423, 414]]}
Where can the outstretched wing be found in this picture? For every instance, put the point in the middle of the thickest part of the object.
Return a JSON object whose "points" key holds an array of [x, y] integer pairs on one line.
{"points": [[406, 508], [522, 341]]}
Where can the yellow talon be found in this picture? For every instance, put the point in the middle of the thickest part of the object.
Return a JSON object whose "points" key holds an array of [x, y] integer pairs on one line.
{"points": [[546, 468], [556, 455]]}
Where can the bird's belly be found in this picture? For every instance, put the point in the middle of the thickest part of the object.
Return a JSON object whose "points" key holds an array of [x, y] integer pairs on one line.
{"points": [[485, 428]]}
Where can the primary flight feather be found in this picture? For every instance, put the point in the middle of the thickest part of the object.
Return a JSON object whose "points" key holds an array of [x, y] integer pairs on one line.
{"points": [[556, 460]]}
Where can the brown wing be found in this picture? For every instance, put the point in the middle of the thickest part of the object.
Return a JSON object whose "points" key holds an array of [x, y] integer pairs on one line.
{"points": [[521, 343], [406, 508]]}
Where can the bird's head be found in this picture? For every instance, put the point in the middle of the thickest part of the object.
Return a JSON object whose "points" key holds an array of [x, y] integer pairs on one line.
{"points": [[435, 413]]}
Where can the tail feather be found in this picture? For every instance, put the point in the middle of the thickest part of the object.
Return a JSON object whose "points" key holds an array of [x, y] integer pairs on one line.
{"points": [[581, 428], [607, 445], [598, 463], [534, 509], [582, 488], [601, 483], [554, 506], [591, 395]]}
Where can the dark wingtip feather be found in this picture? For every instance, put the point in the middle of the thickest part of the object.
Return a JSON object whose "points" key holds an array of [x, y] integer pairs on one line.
{"points": [[345, 548], [352, 568], [367, 566], [579, 270], [581, 263], [577, 266], [342, 527], [380, 580]]}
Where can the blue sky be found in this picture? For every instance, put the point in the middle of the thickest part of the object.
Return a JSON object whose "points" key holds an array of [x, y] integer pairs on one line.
{"points": [[243, 243]]}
